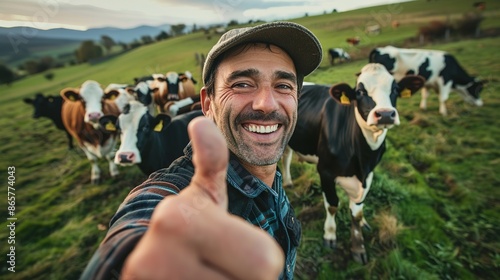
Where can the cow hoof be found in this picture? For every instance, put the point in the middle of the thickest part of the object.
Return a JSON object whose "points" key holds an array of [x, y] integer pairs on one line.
{"points": [[360, 257], [332, 244]]}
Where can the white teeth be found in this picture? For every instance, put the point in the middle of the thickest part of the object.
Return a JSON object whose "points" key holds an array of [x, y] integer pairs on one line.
{"points": [[262, 128]]}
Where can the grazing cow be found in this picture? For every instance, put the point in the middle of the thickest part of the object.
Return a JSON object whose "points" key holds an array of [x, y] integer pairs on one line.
{"points": [[343, 130], [441, 70], [50, 107], [80, 114], [353, 41], [338, 53], [373, 29], [150, 142]]}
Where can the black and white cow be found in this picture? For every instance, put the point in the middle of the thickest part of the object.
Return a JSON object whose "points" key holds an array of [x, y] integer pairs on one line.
{"points": [[441, 70], [339, 54], [343, 130], [49, 107], [151, 142]]}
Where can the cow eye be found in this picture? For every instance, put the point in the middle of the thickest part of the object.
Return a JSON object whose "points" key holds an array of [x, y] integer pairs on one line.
{"points": [[361, 92]]}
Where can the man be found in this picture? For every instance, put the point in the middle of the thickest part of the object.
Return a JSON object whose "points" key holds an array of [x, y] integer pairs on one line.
{"points": [[176, 224]]}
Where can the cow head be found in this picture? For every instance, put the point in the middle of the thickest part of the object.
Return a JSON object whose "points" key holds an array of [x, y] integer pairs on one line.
{"points": [[136, 126], [91, 95], [471, 91], [44, 106], [375, 95]]}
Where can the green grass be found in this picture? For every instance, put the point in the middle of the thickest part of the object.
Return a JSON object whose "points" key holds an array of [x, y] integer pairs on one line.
{"points": [[437, 186]]}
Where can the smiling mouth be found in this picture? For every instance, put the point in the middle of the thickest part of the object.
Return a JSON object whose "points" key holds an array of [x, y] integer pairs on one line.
{"points": [[262, 129]]}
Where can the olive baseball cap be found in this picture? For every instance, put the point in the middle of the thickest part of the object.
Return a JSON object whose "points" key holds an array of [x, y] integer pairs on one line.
{"points": [[300, 44]]}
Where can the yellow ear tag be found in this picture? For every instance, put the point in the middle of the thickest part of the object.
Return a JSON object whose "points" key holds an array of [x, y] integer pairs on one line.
{"points": [[110, 126], [72, 98], [159, 126], [406, 93], [112, 97], [344, 99]]}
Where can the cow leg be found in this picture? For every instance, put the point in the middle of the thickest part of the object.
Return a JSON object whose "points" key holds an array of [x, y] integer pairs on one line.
{"points": [[425, 94], [95, 172], [113, 168], [287, 160], [330, 227], [70, 140], [357, 194], [444, 93], [331, 202]]}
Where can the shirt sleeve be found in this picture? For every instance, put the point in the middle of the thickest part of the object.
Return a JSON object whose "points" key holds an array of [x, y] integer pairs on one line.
{"points": [[127, 227]]}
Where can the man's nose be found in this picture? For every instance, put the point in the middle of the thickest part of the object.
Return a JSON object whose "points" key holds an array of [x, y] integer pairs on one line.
{"points": [[265, 100]]}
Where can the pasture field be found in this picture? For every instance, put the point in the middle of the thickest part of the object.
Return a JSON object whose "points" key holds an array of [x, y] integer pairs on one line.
{"points": [[433, 207]]}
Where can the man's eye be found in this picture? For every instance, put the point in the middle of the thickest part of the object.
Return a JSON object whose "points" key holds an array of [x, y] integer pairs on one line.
{"points": [[285, 86], [241, 85]]}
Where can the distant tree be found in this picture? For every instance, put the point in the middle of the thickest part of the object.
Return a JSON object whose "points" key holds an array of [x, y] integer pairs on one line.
{"points": [[162, 36], [49, 76], [232, 23], [107, 42], [87, 51], [306, 15], [177, 29], [7, 76], [45, 63], [135, 44], [31, 67], [334, 11], [123, 45], [146, 39]]}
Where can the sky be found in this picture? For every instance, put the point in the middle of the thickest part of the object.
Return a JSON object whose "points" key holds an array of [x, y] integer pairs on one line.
{"points": [[85, 14]]}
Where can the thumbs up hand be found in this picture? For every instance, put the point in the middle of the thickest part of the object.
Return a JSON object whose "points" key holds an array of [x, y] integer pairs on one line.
{"points": [[192, 236]]}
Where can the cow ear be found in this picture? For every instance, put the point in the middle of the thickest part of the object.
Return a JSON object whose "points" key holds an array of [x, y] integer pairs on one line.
{"points": [[130, 90], [161, 121], [70, 94], [112, 94], [409, 85], [160, 79], [108, 123], [343, 93]]}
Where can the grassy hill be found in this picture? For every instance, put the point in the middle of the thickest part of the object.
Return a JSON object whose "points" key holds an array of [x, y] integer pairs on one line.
{"points": [[433, 205]]}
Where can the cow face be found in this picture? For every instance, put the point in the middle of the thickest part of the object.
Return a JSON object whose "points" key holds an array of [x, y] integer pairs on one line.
{"points": [[471, 91], [375, 95], [44, 106], [136, 126], [143, 93], [91, 95]]}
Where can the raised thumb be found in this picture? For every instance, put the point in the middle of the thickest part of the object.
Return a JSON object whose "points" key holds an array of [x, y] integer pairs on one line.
{"points": [[210, 159]]}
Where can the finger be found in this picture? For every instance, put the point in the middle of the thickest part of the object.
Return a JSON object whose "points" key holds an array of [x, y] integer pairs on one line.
{"points": [[242, 250], [210, 159]]}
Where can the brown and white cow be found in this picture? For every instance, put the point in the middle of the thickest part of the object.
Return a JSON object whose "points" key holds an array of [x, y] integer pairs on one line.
{"points": [[169, 92], [342, 130], [80, 113]]}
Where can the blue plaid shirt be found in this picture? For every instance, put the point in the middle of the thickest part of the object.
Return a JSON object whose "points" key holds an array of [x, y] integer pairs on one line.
{"points": [[249, 198]]}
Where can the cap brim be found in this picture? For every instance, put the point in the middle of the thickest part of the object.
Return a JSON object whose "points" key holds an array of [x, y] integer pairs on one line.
{"points": [[300, 44]]}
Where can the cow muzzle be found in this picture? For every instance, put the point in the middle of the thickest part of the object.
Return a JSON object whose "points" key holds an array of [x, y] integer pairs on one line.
{"points": [[126, 158], [384, 118]]}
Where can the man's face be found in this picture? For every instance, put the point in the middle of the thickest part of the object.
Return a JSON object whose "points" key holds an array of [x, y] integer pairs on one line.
{"points": [[255, 102]]}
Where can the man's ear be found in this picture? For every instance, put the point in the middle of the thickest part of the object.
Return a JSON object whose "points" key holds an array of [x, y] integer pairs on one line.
{"points": [[205, 101]]}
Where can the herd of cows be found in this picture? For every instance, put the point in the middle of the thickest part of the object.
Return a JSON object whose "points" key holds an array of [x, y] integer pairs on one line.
{"points": [[340, 128]]}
